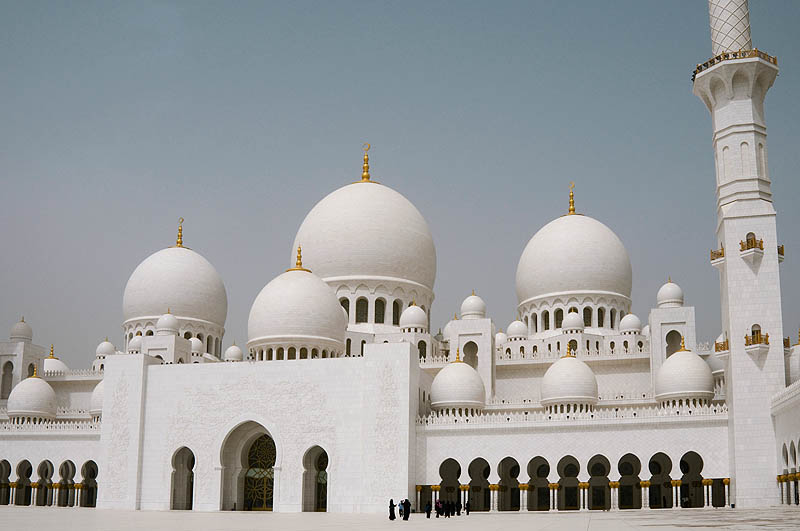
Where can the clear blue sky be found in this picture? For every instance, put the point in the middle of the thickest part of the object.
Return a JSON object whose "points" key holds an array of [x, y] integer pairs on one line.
{"points": [[116, 118]]}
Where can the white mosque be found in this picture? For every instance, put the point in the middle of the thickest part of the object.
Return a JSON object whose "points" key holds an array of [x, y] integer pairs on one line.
{"points": [[344, 396]]}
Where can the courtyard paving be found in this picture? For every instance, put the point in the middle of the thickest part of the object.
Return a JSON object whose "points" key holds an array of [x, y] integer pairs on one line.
{"points": [[656, 520]]}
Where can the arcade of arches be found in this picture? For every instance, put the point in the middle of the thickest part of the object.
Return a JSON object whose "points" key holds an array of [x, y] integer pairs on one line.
{"points": [[43, 487], [658, 486]]}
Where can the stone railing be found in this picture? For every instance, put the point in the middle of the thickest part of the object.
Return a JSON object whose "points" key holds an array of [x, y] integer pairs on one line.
{"points": [[751, 243], [71, 412], [51, 426], [756, 339], [780, 250], [727, 56], [721, 346], [434, 360], [545, 356], [74, 372], [787, 399], [621, 397], [600, 414], [715, 255]]}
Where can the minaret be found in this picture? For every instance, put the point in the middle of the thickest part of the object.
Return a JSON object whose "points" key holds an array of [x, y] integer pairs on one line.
{"points": [[733, 85]]}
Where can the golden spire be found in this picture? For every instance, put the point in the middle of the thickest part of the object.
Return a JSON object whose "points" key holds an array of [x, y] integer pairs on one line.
{"points": [[298, 264], [365, 166], [179, 241], [22, 320], [683, 345], [35, 372], [168, 311], [473, 292], [458, 355], [571, 198], [669, 278], [455, 316], [52, 356]]}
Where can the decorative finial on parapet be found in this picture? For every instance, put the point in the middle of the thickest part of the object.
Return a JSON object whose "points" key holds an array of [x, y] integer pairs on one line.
{"points": [[179, 240], [571, 198], [730, 26], [365, 166], [52, 354]]}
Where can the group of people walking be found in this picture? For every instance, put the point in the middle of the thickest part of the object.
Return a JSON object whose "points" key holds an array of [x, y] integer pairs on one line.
{"points": [[444, 509]]}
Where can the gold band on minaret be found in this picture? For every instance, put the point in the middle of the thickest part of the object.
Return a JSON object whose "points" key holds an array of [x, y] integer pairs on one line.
{"points": [[179, 240], [298, 264], [571, 198]]}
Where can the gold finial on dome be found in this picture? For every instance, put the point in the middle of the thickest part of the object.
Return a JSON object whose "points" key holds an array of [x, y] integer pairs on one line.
{"points": [[569, 353], [683, 344], [22, 320], [458, 356], [455, 316], [52, 355], [669, 279], [35, 371], [365, 166], [168, 311], [179, 240], [298, 264], [473, 292], [571, 198]]}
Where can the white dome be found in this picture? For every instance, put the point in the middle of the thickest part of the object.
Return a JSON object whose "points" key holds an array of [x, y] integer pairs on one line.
{"points": [[21, 331], [573, 253], [135, 344], [646, 330], [457, 385], [96, 407], [630, 323], [54, 365], [367, 230], [573, 321], [684, 375], [233, 353], [167, 324], [715, 363], [500, 338], [569, 381], [105, 348], [177, 279], [473, 307], [32, 397], [196, 346], [414, 317], [670, 295], [517, 329], [296, 305]]}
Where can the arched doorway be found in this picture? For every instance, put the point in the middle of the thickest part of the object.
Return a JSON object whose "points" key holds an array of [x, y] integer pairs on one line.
{"points": [[22, 496], [568, 469], [182, 480], [599, 491], [44, 492], [471, 354], [5, 487], [66, 474], [509, 485], [449, 471], [660, 482], [673, 340], [691, 481], [538, 486], [630, 495], [479, 493], [315, 480], [7, 378], [89, 480], [248, 458]]}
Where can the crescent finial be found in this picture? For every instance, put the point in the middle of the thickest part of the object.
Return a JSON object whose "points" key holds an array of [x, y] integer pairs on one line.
{"points": [[571, 185], [366, 146]]}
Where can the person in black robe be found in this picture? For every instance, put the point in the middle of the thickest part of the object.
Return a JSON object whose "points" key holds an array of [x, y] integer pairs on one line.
{"points": [[428, 509], [466, 507], [391, 510], [458, 507], [406, 509]]}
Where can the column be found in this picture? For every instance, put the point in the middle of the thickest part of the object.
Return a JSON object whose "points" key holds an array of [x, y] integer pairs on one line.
{"points": [[676, 493], [582, 495], [418, 506], [645, 494], [494, 487], [12, 494], [435, 490], [614, 494], [553, 496], [34, 493], [781, 480], [707, 492], [789, 490], [523, 497], [464, 494], [78, 487], [727, 483]]}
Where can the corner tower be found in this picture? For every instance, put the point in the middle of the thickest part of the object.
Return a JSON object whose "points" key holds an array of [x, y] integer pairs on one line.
{"points": [[733, 85]]}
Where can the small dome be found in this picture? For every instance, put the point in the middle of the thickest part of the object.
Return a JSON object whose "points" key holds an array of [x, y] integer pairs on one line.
{"points": [[196, 345], [105, 348], [569, 381], [473, 307], [233, 353], [517, 329], [715, 363], [96, 408], [32, 397], [457, 385], [573, 321], [684, 375], [670, 295], [167, 325], [500, 338], [414, 317], [296, 304], [21, 331], [646, 330], [54, 365], [135, 344], [630, 323]]}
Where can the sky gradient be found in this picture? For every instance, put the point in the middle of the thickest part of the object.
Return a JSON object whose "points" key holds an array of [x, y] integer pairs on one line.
{"points": [[118, 118]]}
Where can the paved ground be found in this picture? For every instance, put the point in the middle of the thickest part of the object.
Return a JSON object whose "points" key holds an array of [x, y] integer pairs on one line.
{"points": [[655, 520]]}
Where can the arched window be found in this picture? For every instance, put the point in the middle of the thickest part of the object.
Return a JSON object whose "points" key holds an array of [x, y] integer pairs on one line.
{"points": [[149, 333], [210, 345], [363, 342], [396, 308], [346, 348], [612, 346], [346, 305], [587, 317], [613, 323], [423, 350], [559, 317], [292, 354], [534, 323], [755, 333], [187, 335], [8, 375], [380, 311], [673, 339], [182, 480], [362, 310], [31, 368], [303, 353], [751, 240], [601, 317], [546, 320]]}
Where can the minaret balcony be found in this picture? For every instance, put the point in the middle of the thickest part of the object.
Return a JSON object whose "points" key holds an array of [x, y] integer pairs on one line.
{"points": [[787, 346], [718, 257], [780, 254], [722, 349], [756, 343], [728, 56], [751, 249]]}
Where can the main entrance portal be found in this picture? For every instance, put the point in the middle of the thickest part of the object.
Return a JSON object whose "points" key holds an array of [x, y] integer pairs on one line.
{"points": [[259, 478]]}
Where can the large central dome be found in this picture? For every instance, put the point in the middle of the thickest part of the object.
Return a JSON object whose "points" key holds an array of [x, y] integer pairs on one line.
{"points": [[573, 253], [368, 231]]}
